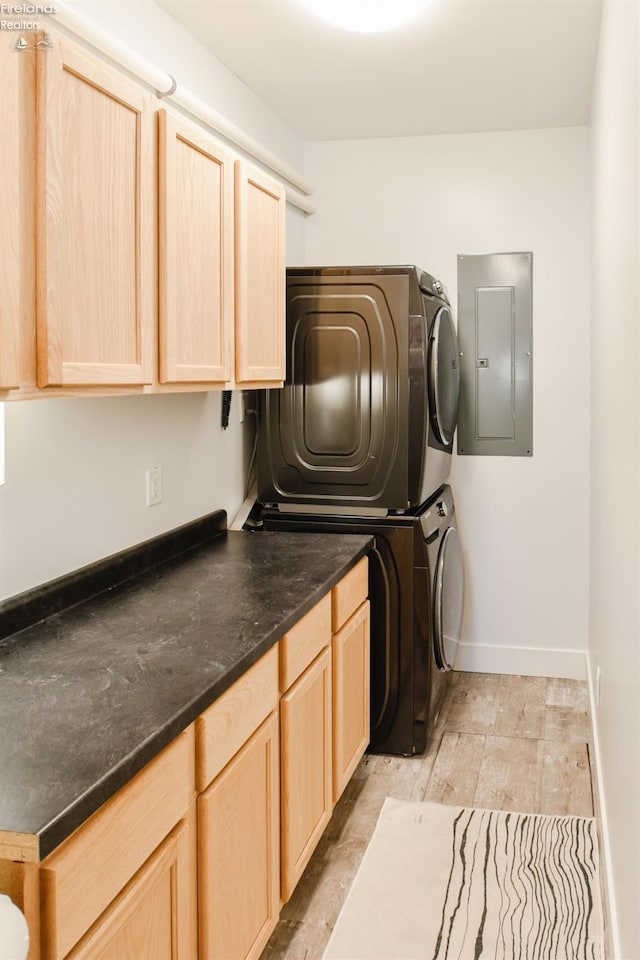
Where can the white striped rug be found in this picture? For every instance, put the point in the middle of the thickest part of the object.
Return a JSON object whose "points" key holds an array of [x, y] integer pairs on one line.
{"points": [[452, 883]]}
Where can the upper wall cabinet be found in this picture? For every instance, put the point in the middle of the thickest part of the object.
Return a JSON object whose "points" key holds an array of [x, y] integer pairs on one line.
{"points": [[260, 276], [11, 143], [94, 222], [221, 267], [139, 255], [195, 242]]}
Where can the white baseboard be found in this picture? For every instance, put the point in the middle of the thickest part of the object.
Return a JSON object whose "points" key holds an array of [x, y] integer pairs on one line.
{"points": [[522, 661], [612, 936]]}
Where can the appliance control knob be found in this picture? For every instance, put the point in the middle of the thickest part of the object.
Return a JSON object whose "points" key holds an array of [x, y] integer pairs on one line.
{"points": [[441, 508]]}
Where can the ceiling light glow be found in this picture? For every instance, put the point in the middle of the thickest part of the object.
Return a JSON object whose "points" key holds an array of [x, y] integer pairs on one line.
{"points": [[367, 16]]}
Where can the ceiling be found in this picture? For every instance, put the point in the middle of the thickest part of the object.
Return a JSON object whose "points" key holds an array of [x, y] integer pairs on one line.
{"points": [[464, 66]]}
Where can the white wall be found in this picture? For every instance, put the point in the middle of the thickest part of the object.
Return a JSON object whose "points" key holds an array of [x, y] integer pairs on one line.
{"points": [[75, 477], [152, 32], [75, 469], [614, 643], [523, 521]]}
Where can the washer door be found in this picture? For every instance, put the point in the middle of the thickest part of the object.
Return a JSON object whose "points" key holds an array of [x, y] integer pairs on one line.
{"points": [[444, 377], [448, 600]]}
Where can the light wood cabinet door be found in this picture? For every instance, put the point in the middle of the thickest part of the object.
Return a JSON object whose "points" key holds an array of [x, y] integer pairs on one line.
{"points": [[154, 915], [95, 240], [9, 209], [195, 245], [306, 782], [351, 697], [16, 77], [260, 276], [238, 839]]}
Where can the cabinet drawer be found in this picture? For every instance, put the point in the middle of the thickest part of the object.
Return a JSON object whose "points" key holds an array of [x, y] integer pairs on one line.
{"points": [[304, 641], [349, 594], [87, 873], [231, 720]]}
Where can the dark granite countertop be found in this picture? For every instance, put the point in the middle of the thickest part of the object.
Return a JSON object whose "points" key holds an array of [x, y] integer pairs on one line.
{"points": [[92, 693]]}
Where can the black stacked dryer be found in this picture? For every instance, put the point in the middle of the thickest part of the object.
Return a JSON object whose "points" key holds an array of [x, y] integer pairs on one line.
{"points": [[360, 439], [368, 412]]}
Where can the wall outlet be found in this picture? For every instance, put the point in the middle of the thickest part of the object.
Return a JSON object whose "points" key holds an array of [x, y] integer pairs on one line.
{"points": [[598, 678], [154, 486]]}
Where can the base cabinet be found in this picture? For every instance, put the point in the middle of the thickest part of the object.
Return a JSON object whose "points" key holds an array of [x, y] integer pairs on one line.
{"points": [[351, 697], [152, 917], [238, 830], [192, 859], [124, 884], [306, 768]]}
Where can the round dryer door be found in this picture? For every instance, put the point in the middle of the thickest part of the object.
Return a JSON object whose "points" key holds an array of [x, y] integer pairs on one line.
{"points": [[444, 377], [448, 599]]}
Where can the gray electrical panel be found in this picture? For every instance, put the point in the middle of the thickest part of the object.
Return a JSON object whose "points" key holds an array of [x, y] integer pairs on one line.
{"points": [[495, 332]]}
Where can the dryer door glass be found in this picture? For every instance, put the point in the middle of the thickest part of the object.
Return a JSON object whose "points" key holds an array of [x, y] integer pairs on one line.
{"points": [[448, 599], [444, 378]]}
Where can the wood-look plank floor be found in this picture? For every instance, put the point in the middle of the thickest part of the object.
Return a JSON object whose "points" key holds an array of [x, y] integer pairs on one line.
{"points": [[501, 742]]}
